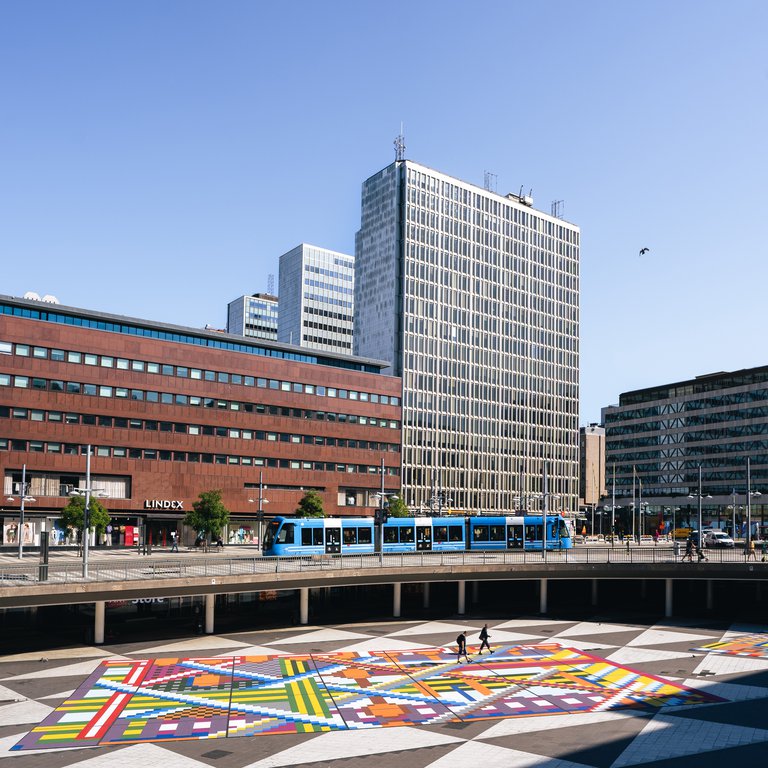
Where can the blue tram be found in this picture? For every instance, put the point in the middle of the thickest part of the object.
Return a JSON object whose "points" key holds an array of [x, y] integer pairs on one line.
{"points": [[296, 536]]}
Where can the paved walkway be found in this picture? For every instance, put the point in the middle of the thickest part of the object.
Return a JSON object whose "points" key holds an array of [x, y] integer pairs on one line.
{"points": [[710, 707]]}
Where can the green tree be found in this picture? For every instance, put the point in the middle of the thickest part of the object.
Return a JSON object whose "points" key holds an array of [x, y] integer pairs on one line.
{"points": [[72, 515], [208, 514], [397, 507], [311, 505]]}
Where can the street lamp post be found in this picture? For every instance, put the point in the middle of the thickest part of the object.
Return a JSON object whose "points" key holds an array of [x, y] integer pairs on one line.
{"points": [[87, 492], [260, 512], [750, 494], [23, 499], [700, 496]]}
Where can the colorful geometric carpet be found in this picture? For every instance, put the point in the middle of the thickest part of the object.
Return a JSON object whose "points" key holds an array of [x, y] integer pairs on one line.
{"points": [[753, 646], [180, 698]]}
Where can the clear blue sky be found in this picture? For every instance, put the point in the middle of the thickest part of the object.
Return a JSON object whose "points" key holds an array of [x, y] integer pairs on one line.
{"points": [[156, 158]]}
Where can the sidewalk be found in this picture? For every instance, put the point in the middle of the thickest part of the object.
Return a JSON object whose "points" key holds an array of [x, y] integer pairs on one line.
{"points": [[9, 555]]}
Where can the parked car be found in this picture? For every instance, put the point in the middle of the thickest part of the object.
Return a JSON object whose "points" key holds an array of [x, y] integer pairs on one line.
{"points": [[718, 539]]}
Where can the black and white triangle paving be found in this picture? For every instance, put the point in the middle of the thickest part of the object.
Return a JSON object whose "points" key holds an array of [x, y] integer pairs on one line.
{"points": [[736, 729]]}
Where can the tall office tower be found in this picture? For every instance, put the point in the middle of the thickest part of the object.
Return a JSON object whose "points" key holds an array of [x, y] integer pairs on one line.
{"points": [[592, 464], [473, 297], [317, 291], [254, 316]]}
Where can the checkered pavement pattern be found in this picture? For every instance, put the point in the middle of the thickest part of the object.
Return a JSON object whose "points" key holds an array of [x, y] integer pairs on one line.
{"points": [[552, 693]]}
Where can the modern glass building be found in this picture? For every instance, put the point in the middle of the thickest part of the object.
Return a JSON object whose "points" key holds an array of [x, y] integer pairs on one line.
{"points": [[473, 298], [254, 316], [317, 291], [658, 438]]}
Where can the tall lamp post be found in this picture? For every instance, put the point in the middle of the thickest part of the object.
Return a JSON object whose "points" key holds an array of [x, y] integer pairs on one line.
{"points": [[23, 499], [260, 512], [87, 492], [750, 494], [700, 496]]}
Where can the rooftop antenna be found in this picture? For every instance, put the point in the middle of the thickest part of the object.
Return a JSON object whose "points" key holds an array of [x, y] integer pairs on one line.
{"points": [[557, 208], [271, 285], [400, 145], [490, 181]]}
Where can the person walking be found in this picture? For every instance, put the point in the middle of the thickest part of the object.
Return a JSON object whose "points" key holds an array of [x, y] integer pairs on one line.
{"points": [[688, 550], [764, 549], [484, 636], [461, 642], [174, 542], [751, 550]]}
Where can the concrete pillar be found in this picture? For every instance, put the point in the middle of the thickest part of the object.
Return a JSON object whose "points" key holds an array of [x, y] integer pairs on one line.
{"points": [[543, 596], [668, 597], [594, 591], [396, 593], [475, 592], [210, 602], [462, 605], [425, 604], [98, 623], [304, 605]]}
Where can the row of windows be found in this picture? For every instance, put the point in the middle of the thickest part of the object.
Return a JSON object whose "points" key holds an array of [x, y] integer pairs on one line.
{"points": [[155, 454], [184, 372], [348, 276], [182, 338], [169, 398], [114, 422]]}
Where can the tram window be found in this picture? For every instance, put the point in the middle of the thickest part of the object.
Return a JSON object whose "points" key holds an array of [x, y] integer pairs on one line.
{"points": [[286, 535], [350, 536], [480, 533], [332, 536], [423, 533], [390, 535], [441, 534], [532, 532], [406, 534], [311, 536], [497, 533], [455, 532], [364, 536]]}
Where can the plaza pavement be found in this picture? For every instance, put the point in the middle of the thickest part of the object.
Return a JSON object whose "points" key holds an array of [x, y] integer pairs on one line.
{"points": [[732, 728]]}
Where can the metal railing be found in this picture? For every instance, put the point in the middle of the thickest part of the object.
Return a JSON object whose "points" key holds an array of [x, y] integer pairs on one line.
{"points": [[113, 569]]}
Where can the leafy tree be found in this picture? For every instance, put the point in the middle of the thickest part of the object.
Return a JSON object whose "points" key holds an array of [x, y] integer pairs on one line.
{"points": [[397, 507], [311, 505], [72, 516], [208, 514]]}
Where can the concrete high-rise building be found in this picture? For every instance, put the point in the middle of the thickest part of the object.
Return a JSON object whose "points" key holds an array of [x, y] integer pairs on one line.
{"points": [[473, 298], [317, 291], [254, 316], [592, 464]]}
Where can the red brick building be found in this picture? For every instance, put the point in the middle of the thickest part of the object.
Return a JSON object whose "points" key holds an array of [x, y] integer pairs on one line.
{"points": [[170, 412]]}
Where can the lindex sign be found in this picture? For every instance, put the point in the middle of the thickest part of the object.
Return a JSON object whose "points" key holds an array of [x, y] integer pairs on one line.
{"points": [[163, 504]]}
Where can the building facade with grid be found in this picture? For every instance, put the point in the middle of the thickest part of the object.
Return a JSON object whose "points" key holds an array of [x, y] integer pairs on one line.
{"points": [[254, 316], [317, 293], [171, 411], [473, 299], [658, 437]]}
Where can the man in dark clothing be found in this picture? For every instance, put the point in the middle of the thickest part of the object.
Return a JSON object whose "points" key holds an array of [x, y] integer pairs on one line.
{"points": [[688, 549], [461, 642], [484, 640]]}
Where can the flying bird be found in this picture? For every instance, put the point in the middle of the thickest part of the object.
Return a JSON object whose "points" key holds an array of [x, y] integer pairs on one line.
{"points": [[644, 251]]}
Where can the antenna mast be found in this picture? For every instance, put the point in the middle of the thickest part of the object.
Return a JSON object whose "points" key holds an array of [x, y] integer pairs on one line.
{"points": [[557, 208], [271, 285], [400, 145], [490, 181]]}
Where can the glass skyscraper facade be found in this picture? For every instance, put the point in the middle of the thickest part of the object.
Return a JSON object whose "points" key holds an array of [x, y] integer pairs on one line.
{"points": [[473, 299], [659, 437], [317, 292]]}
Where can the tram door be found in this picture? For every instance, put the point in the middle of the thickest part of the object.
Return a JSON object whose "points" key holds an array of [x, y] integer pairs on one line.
{"points": [[515, 536], [332, 541], [423, 538]]}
